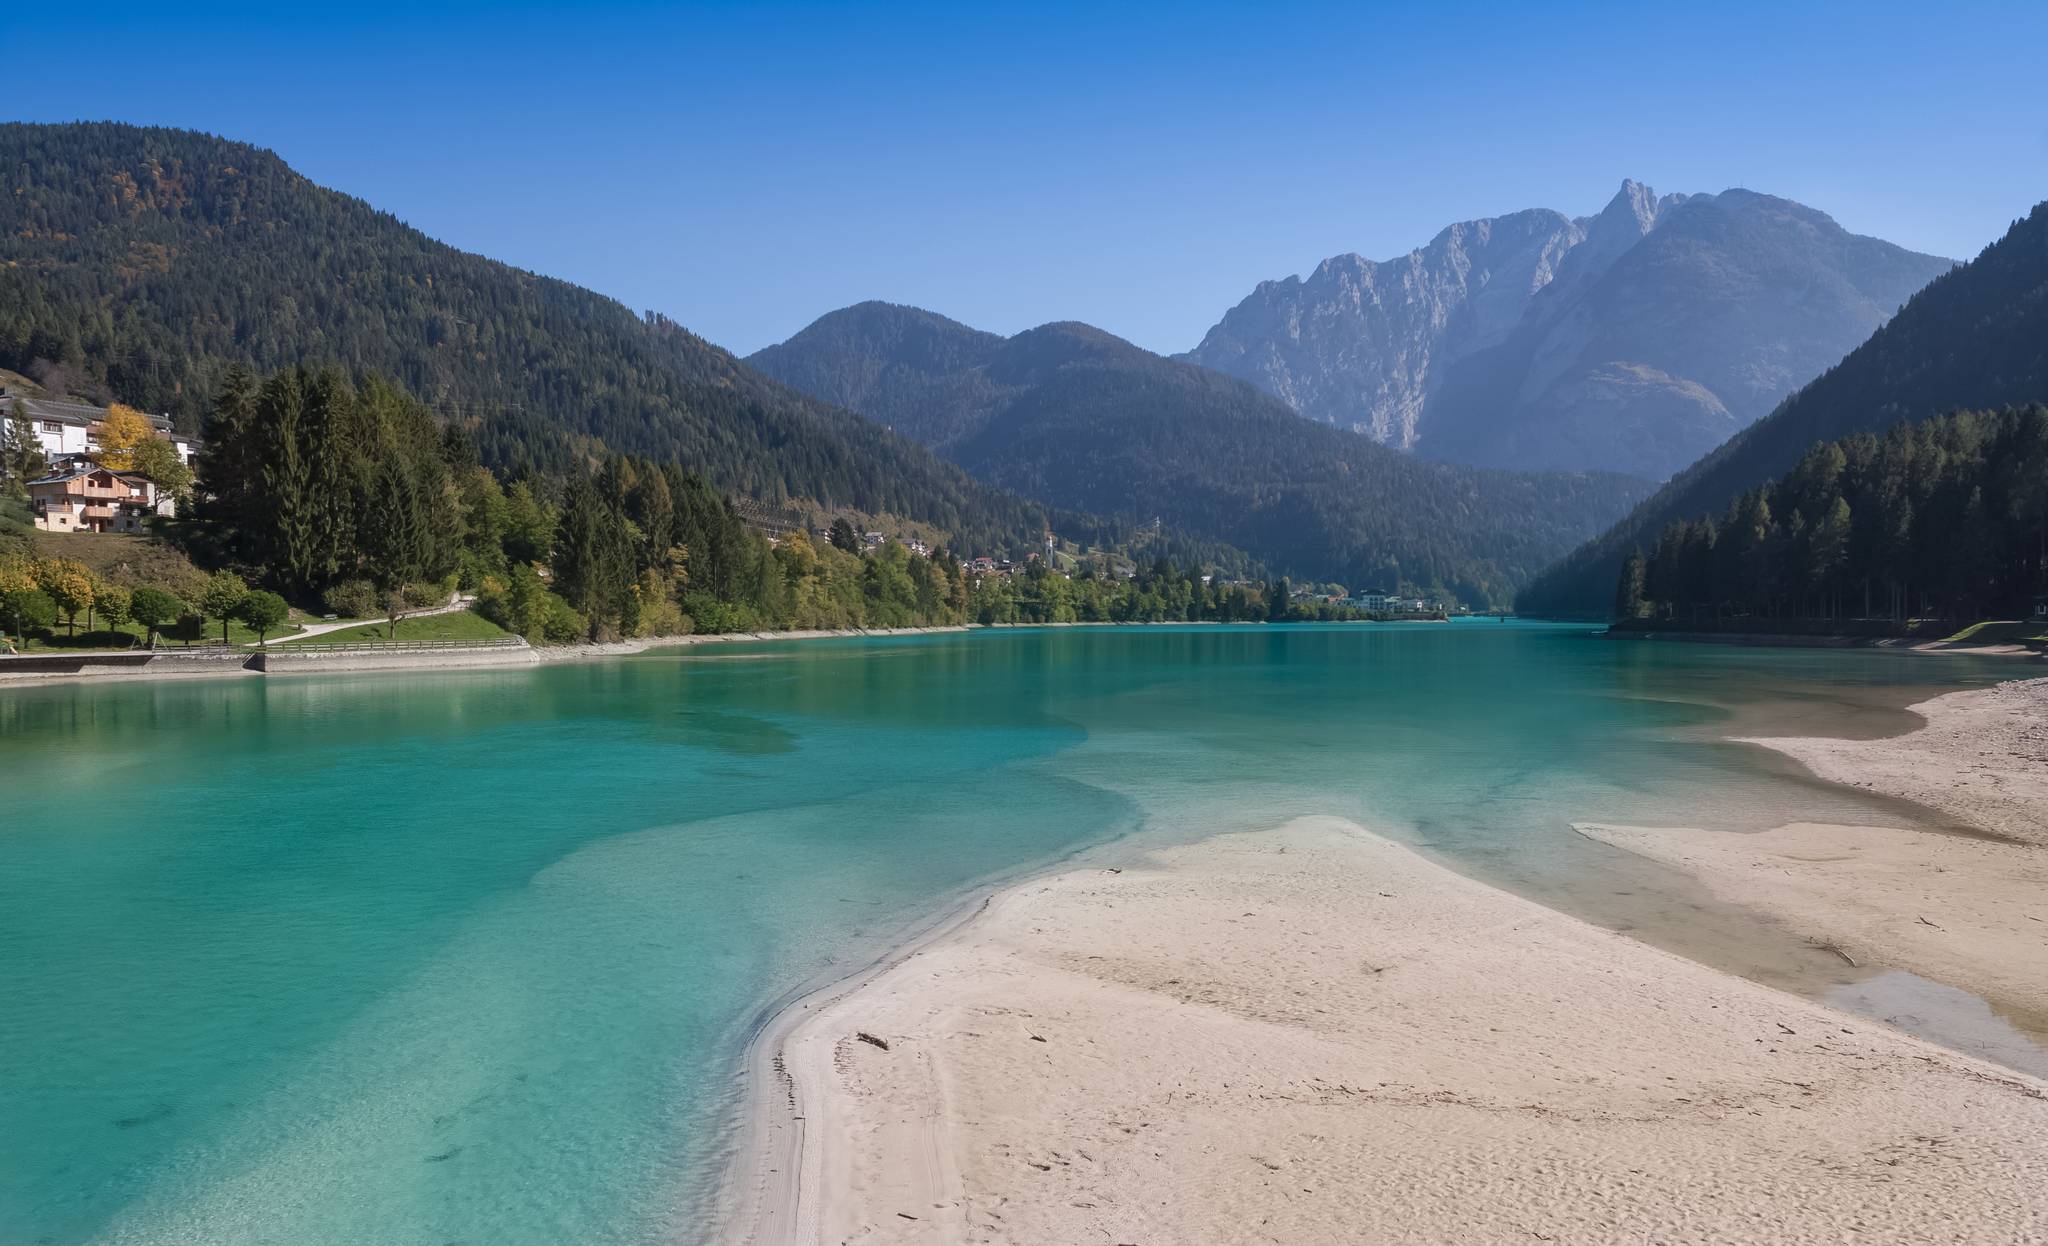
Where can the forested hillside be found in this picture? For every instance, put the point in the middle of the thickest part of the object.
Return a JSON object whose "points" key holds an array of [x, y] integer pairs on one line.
{"points": [[140, 263], [1076, 417], [1946, 518], [352, 499], [1977, 338], [909, 369]]}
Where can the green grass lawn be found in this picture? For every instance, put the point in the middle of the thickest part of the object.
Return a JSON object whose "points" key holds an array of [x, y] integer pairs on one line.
{"points": [[2003, 632], [458, 625], [58, 639]]}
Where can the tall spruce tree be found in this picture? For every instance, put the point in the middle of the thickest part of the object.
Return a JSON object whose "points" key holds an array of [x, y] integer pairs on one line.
{"points": [[231, 473], [1628, 591], [288, 543], [23, 459], [652, 509], [396, 543], [593, 556]]}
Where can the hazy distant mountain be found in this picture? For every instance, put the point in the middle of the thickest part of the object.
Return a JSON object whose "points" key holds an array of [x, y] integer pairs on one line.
{"points": [[1976, 338], [1634, 340], [1076, 417]]}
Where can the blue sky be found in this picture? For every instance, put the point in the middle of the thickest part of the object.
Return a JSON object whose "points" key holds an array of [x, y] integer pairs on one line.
{"points": [[746, 168]]}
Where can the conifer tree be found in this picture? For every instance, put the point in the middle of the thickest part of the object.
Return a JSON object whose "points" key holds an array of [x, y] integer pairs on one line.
{"points": [[396, 543], [651, 507], [287, 540], [593, 559], [338, 453], [1628, 591], [231, 470], [23, 460]]}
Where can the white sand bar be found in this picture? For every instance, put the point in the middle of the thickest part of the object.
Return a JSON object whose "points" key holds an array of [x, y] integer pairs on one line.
{"points": [[1970, 912], [1981, 758], [1313, 1035]]}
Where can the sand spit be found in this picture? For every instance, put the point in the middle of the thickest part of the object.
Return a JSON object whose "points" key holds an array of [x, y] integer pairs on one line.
{"points": [[1967, 911], [1315, 1035], [1982, 758], [1970, 911]]}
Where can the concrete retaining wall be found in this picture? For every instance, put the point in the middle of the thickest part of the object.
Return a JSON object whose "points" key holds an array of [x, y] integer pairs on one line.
{"points": [[313, 661], [133, 662]]}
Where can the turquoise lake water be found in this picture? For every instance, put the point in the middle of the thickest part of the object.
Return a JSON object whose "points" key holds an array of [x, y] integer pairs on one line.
{"points": [[473, 957]]}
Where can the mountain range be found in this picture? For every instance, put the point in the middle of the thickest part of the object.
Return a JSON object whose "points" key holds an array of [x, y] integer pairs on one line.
{"points": [[1974, 339], [1634, 340], [1075, 417], [144, 262]]}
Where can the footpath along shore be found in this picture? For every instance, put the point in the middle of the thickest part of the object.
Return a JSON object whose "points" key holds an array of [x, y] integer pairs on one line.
{"points": [[279, 658], [215, 662], [1313, 1034]]}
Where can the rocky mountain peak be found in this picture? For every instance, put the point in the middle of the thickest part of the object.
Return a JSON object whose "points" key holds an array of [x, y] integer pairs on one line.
{"points": [[1635, 202], [1633, 340]]}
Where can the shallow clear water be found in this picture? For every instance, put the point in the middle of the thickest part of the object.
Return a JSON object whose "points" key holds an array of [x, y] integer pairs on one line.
{"points": [[474, 957]]}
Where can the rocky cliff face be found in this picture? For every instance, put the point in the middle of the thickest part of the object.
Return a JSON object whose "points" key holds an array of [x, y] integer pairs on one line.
{"points": [[1361, 344], [1633, 340]]}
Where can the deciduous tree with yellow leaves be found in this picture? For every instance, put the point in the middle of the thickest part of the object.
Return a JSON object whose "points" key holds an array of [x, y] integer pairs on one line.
{"points": [[124, 429], [69, 584], [17, 573]]}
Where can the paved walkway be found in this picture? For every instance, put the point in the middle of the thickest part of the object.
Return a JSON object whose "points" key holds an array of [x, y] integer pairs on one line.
{"points": [[321, 629]]}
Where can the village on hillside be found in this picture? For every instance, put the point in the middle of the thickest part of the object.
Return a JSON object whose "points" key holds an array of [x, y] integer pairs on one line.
{"points": [[105, 469], [100, 487]]}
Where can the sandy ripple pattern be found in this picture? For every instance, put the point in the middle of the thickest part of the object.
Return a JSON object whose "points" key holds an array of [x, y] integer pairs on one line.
{"points": [[1313, 1034]]}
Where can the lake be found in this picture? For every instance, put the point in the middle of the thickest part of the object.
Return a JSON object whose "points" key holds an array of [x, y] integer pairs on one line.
{"points": [[475, 956]]}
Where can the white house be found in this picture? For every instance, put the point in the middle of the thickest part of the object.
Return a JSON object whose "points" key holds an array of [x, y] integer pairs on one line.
{"points": [[69, 428]]}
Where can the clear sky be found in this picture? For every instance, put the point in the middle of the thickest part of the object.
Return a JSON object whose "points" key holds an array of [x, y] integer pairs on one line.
{"points": [[745, 168]]}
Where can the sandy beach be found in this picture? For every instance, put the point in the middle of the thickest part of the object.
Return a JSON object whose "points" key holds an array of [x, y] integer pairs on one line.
{"points": [[1981, 758], [1968, 909], [1313, 1034]]}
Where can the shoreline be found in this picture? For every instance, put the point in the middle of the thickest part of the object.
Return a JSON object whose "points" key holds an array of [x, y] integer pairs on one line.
{"points": [[759, 1195], [1961, 905], [1373, 1050], [798, 1063], [1794, 640], [176, 664], [647, 644], [118, 665]]}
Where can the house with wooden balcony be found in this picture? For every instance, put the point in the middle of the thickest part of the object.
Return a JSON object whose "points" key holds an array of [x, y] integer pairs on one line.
{"points": [[87, 498]]}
